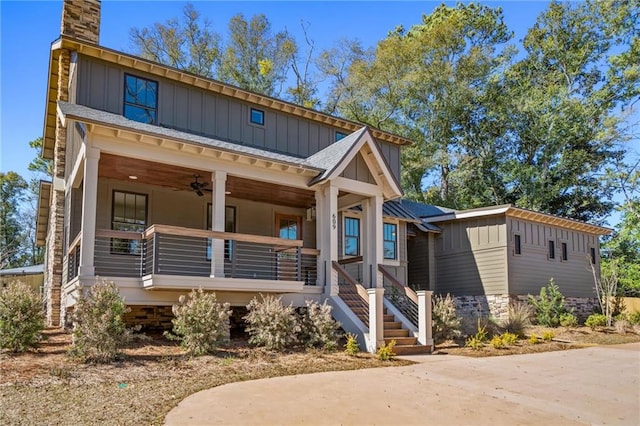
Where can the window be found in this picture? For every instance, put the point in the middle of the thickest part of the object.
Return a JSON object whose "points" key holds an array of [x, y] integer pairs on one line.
{"points": [[257, 117], [390, 237], [565, 255], [229, 226], [516, 242], [140, 99], [340, 135], [593, 255], [288, 227], [351, 236], [552, 250], [129, 213]]}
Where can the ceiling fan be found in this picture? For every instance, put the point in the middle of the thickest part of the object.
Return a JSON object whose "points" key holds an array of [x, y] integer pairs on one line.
{"points": [[197, 187]]}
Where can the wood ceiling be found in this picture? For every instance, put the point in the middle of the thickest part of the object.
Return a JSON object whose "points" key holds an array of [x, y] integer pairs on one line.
{"points": [[180, 178]]}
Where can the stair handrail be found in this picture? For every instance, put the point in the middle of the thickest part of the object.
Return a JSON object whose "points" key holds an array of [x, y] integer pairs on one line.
{"points": [[362, 292], [408, 291]]}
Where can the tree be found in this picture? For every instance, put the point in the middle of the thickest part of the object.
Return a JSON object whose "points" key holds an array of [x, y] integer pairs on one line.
{"points": [[189, 44], [254, 58], [305, 90], [12, 193]]}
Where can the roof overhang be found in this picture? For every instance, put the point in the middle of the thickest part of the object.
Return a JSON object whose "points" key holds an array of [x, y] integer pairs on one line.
{"points": [[42, 220], [150, 67], [520, 213]]}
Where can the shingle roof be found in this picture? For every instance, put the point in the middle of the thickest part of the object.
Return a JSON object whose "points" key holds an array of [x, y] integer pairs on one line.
{"points": [[425, 210], [330, 157]]}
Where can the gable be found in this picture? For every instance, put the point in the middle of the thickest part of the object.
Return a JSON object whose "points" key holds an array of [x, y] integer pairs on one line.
{"points": [[358, 170]]}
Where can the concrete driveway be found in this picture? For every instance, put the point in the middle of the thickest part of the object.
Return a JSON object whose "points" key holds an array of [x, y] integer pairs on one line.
{"points": [[599, 385]]}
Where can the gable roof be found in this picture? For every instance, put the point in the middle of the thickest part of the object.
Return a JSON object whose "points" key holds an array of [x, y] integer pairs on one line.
{"points": [[337, 156], [164, 71]]}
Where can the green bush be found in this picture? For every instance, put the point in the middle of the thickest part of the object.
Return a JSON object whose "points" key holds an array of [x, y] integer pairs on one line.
{"points": [[98, 323], [352, 347], [596, 320], [533, 339], [317, 326], [550, 305], [476, 341], [509, 339], [21, 317], [271, 324], [568, 320], [385, 352], [497, 342], [201, 324], [634, 318], [548, 335], [446, 324], [519, 317]]}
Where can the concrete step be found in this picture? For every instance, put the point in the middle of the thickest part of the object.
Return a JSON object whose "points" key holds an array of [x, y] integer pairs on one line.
{"points": [[401, 341], [389, 325], [398, 332], [411, 349]]}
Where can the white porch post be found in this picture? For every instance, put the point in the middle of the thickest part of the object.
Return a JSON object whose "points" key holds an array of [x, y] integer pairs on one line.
{"points": [[376, 318], [89, 203], [425, 326], [327, 236], [372, 255], [219, 181]]}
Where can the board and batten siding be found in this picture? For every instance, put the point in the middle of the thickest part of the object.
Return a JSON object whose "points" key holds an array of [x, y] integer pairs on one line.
{"points": [[533, 268], [471, 257], [418, 259], [190, 109]]}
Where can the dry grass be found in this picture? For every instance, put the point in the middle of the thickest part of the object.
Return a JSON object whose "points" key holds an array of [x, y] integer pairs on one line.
{"points": [[46, 387], [564, 339]]}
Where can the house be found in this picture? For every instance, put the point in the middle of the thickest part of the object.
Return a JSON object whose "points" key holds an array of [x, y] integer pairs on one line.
{"points": [[165, 181], [33, 276], [490, 256]]}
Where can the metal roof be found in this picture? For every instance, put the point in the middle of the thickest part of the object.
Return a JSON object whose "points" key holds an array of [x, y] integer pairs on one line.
{"points": [[23, 270]]}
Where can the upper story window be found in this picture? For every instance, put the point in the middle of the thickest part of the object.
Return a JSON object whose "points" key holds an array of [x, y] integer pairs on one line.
{"points": [[390, 239], [592, 250], [256, 116], [351, 236], [129, 213], [565, 254], [517, 249], [552, 249], [340, 135], [140, 99]]}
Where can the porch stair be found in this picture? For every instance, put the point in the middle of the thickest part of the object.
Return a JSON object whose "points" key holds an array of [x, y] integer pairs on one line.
{"points": [[405, 344]]}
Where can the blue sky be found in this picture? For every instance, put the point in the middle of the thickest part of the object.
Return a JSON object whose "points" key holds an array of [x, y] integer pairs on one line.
{"points": [[27, 29]]}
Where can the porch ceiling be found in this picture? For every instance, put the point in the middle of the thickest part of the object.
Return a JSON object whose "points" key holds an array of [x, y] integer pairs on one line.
{"points": [[179, 178]]}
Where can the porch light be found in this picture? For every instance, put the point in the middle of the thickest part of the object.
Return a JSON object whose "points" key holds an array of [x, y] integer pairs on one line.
{"points": [[227, 192], [132, 177]]}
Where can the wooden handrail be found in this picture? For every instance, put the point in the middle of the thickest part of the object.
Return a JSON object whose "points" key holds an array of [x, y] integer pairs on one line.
{"points": [[125, 235], [219, 235], [348, 260], [362, 292], [310, 251], [403, 288], [74, 243]]}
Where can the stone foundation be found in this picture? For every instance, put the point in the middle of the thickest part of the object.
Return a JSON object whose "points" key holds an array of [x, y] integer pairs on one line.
{"points": [[150, 318], [581, 307]]}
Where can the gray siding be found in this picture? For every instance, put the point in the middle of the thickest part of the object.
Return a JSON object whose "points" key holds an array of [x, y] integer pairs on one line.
{"points": [[471, 257], [358, 170], [533, 269], [418, 257], [101, 86]]}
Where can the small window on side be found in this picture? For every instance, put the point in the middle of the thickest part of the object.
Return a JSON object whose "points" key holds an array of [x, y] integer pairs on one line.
{"points": [[516, 242], [257, 116], [565, 255], [340, 135], [593, 255], [552, 250]]}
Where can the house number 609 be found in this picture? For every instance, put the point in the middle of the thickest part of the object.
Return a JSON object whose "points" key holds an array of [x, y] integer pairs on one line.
{"points": [[333, 221]]}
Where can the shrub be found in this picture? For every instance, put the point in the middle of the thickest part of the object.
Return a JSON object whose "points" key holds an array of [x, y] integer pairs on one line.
{"points": [[497, 342], [271, 324], [596, 320], [509, 339], [548, 335], [446, 325], [98, 323], [549, 306], [568, 320], [533, 339], [621, 326], [385, 352], [351, 347], [21, 317], [634, 318], [200, 323], [476, 341], [317, 326], [519, 316]]}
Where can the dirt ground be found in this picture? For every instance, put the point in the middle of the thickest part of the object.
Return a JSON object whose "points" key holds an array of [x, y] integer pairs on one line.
{"points": [[45, 386]]}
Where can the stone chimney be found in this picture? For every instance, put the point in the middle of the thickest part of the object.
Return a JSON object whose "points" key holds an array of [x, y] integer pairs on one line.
{"points": [[81, 19]]}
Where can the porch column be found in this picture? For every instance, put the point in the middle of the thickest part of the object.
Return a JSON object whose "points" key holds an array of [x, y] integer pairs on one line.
{"points": [[218, 181], [425, 326], [327, 237], [376, 318], [372, 255], [89, 205]]}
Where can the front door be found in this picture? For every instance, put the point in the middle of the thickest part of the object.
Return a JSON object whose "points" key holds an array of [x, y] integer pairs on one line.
{"points": [[288, 227]]}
